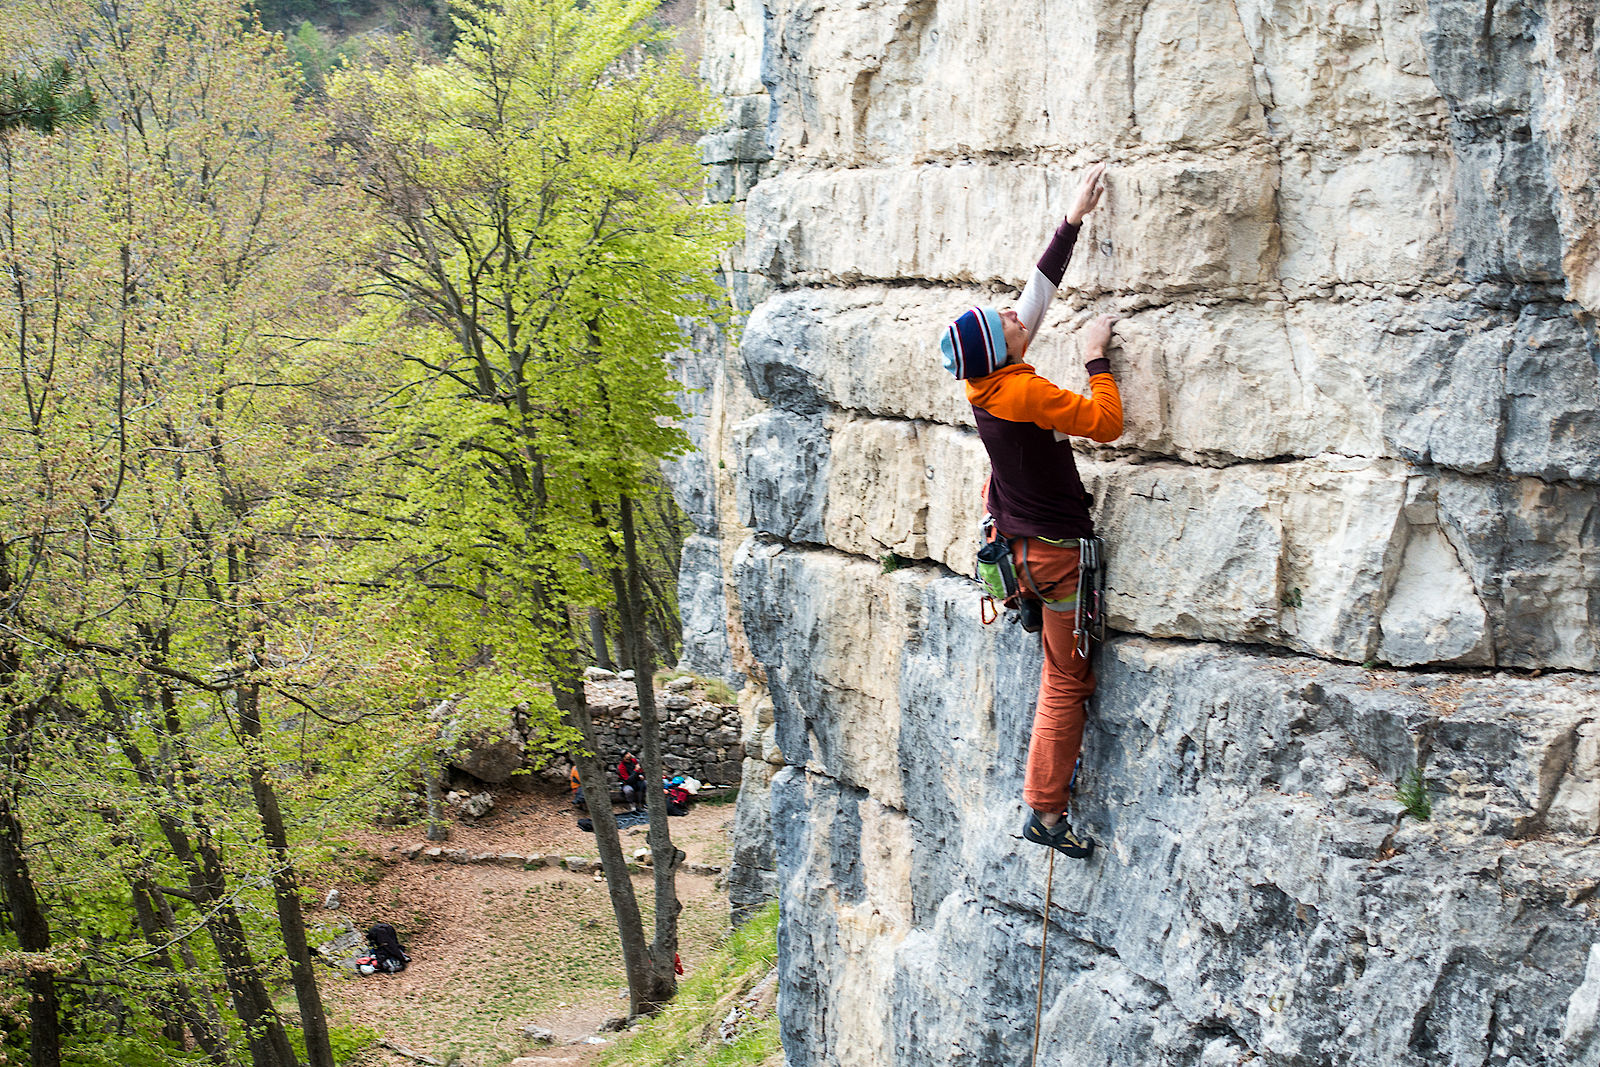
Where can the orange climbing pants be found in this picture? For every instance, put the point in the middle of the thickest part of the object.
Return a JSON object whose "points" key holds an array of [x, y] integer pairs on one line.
{"points": [[1065, 681]]}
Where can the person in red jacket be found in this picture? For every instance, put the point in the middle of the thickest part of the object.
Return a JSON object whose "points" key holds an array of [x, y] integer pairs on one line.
{"points": [[1037, 500], [632, 776]]}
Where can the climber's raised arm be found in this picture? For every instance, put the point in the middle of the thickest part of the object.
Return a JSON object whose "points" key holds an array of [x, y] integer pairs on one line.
{"points": [[983, 340], [1046, 278]]}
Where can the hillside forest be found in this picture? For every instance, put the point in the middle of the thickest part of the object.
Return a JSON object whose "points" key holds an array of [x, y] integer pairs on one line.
{"points": [[332, 407]]}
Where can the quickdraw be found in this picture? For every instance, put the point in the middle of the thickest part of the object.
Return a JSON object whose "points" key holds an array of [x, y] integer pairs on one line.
{"points": [[988, 610], [1089, 622]]}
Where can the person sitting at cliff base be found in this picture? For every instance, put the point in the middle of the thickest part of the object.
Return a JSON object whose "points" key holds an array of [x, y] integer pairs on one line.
{"points": [[577, 787], [632, 776], [1037, 500]]}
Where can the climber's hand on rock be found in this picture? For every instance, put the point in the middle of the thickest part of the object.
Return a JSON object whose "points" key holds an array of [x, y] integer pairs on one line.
{"points": [[1089, 193], [1097, 335]]}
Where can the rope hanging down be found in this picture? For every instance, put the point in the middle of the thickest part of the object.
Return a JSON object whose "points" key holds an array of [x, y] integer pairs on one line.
{"points": [[1044, 939]]}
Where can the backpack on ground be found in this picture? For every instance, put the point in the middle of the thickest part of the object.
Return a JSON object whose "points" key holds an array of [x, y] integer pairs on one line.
{"points": [[389, 957]]}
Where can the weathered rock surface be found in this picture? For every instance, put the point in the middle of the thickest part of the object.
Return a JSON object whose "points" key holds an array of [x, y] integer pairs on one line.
{"points": [[1357, 251], [1260, 883]]}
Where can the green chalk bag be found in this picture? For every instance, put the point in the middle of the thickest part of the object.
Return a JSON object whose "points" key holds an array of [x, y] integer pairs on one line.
{"points": [[995, 570]]}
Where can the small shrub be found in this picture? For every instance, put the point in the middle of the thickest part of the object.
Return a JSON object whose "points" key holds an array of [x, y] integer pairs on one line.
{"points": [[714, 689], [1412, 792]]}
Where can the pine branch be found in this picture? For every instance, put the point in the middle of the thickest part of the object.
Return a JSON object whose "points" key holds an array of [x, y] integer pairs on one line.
{"points": [[45, 103]]}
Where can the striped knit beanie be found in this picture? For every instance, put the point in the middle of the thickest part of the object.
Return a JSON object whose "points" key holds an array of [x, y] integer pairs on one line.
{"points": [[974, 344]]}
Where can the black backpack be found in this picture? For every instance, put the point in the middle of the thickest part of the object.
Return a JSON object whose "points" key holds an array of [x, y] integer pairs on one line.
{"points": [[392, 959]]}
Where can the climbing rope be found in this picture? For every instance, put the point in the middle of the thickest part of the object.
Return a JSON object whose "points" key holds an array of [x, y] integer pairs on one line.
{"points": [[1044, 937]]}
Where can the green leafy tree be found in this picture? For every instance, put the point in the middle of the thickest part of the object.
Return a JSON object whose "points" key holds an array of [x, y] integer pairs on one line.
{"points": [[543, 236], [313, 56], [175, 672]]}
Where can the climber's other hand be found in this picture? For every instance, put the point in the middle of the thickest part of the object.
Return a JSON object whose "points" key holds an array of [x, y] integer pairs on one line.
{"points": [[1097, 334]]}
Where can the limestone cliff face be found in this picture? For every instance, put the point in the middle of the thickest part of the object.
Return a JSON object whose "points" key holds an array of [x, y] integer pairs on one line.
{"points": [[1354, 525]]}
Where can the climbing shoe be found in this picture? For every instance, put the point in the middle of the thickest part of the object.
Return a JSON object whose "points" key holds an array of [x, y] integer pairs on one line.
{"points": [[1059, 837], [1031, 615]]}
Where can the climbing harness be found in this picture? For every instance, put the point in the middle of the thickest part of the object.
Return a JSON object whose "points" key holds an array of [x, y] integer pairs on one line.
{"points": [[1044, 938], [999, 559]]}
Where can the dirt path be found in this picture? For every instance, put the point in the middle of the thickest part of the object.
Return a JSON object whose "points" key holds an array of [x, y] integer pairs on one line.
{"points": [[494, 949]]}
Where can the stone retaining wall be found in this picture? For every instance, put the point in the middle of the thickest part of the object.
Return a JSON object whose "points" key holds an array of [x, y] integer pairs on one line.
{"points": [[697, 739]]}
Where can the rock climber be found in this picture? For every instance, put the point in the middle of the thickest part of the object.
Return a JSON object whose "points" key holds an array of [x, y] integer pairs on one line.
{"points": [[1037, 500]]}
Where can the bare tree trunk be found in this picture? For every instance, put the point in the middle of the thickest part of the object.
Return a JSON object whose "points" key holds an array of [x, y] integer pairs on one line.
{"points": [[269, 1042], [177, 1004], [630, 925], [662, 978], [267, 1039], [438, 829], [207, 1001], [598, 647], [285, 886], [597, 639], [28, 919], [33, 935]]}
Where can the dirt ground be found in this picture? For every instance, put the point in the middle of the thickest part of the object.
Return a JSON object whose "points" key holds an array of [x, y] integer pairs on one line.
{"points": [[496, 949]]}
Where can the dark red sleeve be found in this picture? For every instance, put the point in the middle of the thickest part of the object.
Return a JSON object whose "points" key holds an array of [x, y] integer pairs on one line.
{"points": [[1053, 264]]}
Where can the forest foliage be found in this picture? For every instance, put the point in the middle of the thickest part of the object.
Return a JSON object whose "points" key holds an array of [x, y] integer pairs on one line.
{"points": [[330, 418]]}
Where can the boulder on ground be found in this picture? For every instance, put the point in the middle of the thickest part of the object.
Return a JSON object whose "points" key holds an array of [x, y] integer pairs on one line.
{"points": [[347, 943], [473, 805], [490, 761]]}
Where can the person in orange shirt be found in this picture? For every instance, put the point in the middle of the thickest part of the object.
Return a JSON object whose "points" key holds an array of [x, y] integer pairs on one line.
{"points": [[1037, 501], [577, 787]]}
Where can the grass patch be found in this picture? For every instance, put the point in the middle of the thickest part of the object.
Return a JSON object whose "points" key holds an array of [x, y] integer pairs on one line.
{"points": [[714, 690], [718, 796], [549, 944], [689, 1033]]}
